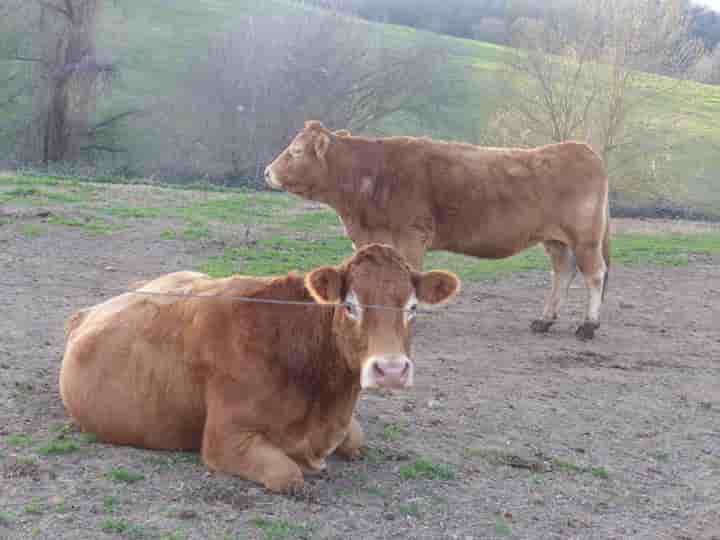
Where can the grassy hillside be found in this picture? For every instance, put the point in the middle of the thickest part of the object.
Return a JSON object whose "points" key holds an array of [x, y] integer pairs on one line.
{"points": [[155, 42]]}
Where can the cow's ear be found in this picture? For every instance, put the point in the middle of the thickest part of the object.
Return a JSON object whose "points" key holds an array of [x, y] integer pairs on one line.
{"points": [[322, 143], [435, 287], [325, 284], [342, 133]]}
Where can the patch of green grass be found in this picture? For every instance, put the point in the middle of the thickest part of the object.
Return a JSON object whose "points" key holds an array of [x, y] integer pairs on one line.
{"points": [[410, 509], [32, 230], [61, 429], [168, 234], [247, 208], [110, 503], [19, 440], [278, 529], [374, 455], [58, 447], [94, 227], [572, 468], [88, 438], [277, 256], [502, 527], [170, 459], [177, 535], [117, 526], [35, 507], [392, 432], [121, 475], [196, 233], [34, 194], [424, 468], [666, 249], [318, 222], [130, 212], [6, 519]]}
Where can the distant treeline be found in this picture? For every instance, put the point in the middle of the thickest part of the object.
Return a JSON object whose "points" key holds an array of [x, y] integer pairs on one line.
{"points": [[491, 20]]}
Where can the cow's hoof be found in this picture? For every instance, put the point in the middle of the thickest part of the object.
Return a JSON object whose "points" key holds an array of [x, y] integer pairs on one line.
{"points": [[586, 330], [288, 484], [541, 326]]}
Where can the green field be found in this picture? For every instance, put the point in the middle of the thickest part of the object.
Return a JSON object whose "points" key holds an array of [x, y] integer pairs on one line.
{"points": [[286, 233], [157, 42]]}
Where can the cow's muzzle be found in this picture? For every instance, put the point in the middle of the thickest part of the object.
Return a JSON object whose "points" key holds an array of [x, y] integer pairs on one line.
{"points": [[387, 371]]}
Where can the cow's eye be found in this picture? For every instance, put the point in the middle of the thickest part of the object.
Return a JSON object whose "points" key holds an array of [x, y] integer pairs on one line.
{"points": [[352, 311]]}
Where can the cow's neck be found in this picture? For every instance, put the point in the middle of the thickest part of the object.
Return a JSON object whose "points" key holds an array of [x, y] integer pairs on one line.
{"points": [[360, 174]]}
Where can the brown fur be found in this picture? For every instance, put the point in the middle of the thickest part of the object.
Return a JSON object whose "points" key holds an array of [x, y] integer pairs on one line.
{"points": [[265, 391], [419, 194]]}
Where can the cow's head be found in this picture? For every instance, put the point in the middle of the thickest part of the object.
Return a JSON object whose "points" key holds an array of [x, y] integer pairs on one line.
{"points": [[376, 341], [302, 167]]}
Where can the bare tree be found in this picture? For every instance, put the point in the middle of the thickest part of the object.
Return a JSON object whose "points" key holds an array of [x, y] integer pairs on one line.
{"points": [[257, 84], [67, 75], [585, 77]]}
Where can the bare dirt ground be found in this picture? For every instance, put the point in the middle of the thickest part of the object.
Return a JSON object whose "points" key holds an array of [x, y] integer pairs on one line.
{"points": [[522, 436]]}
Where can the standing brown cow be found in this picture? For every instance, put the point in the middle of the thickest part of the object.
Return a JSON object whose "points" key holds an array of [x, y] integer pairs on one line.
{"points": [[420, 194], [263, 389]]}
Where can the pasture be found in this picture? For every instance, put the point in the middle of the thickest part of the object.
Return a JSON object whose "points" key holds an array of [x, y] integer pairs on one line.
{"points": [[505, 435]]}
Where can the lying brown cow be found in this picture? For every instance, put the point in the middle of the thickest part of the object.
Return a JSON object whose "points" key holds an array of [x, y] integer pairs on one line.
{"points": [[264, 390], [420, 194]]}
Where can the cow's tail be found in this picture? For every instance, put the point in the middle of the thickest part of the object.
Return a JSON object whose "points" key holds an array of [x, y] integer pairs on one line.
{"points": [[606, 251], [75, 321]]}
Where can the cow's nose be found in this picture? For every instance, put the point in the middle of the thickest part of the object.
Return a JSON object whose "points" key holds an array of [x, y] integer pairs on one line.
{"points": [[388, 371]]}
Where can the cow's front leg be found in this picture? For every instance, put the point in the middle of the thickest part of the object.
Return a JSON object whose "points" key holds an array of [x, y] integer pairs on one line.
{"points": [[354, 441], [247, 454]]}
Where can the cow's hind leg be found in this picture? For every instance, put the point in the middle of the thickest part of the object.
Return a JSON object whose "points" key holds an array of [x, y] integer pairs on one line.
{"points": [[563, 272], [350, 447], [592, 265]]}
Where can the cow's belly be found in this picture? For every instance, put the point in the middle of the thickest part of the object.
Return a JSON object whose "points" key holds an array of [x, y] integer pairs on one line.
{"points": [[133, 399]]}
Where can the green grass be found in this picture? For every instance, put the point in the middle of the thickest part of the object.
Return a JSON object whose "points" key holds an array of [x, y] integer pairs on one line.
{"points": [[410, 509], [94, 227], [123, 476], [32, 230], [58, 447], [392, 432], [19, 440], [171, 459], [572, 468], [279, 255], [502, 528], [278, 529], [35, 507], [426, 469], [116, 526]]}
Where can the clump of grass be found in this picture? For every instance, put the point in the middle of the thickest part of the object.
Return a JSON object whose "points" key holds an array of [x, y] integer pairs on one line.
{"points": [[410, 509], [392, 432], [423, 468], [19, 440], [566, 466], [35, 507], [374, 455], [58, 447], [278, 529], [32, 230], [502, 528], [110, 503], [117, 526], [124, 476]]}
